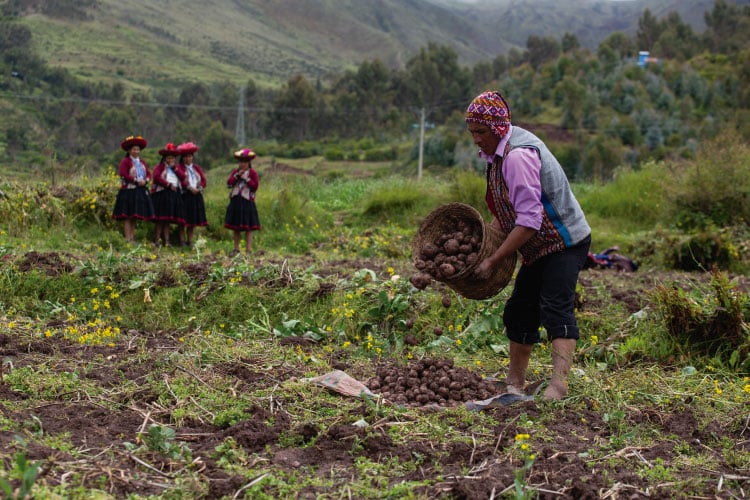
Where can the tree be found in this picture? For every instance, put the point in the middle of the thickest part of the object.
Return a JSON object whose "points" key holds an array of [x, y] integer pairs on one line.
{"points": [[16, 140], [113, 125], [434, 78], [569, 42], [728, 29], [217, 145], [648, 32], [499, 66], [677, 40], [601, 157], [482, 74], [193, 128], [572, 98], [293, 110], [373, 93], [541, 50], [619, 44], [194, 94], [225, 97], [625, 130], [515, 57]]}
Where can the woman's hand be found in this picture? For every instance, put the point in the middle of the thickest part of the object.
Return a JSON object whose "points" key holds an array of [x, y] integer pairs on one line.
{"points": [[484, 269]]}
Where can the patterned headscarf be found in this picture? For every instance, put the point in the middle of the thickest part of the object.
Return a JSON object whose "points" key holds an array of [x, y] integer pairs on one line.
{"points": [[489, 108]]}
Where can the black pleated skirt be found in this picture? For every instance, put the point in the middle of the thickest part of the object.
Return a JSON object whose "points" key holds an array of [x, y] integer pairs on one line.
{"points": [[168, 207], [133, 204], [242, 215], [194, 209]]}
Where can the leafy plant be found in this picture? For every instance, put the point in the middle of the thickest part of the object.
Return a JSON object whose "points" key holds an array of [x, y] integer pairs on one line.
{"points": [[23, 471], [621, 434], [161, 439], [299, 328]]}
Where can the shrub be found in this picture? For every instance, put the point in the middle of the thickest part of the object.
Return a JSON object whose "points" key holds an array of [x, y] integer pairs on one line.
{"points": [[334, 153], [708, 320], [438, 149], [713, 188], [383, 154]]}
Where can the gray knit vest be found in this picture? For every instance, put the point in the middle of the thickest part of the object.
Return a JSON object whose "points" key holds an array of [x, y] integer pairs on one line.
{"points": [[564, 224]]}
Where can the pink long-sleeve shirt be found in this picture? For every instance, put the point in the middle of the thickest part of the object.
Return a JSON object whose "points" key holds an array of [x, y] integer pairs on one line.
{"points": [[521, 171]]}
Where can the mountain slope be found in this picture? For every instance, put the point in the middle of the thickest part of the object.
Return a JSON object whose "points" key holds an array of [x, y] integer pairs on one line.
{"points": [[151, 44], [590, 20]]}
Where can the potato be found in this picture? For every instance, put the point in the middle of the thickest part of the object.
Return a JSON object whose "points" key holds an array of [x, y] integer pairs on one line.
{"points": [[420, 280], [447, 269], [429, 251], [451, 246]]}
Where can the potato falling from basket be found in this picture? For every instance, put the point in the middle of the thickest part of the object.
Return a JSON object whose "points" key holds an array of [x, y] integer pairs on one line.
{"points": [[450, 244]]}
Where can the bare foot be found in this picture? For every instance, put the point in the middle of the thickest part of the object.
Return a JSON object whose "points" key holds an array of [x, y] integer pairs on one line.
{"points": [[556, 391], [512, 389]]}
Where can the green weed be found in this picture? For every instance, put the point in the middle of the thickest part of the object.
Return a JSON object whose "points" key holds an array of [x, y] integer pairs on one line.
{"points": [[161, 439], [24, 473], [708, 320]]}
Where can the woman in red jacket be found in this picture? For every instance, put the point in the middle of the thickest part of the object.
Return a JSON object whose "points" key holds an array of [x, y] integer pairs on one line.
{"points": [[242, 215], [166, 193], [133, 201], [193, 184]]}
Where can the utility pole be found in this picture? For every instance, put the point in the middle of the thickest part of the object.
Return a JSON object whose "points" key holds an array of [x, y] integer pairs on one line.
{"points": [[239, 130], [421, 144]]}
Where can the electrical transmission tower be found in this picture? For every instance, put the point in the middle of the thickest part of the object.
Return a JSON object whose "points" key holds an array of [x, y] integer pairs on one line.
{"points": [[239, 131]]}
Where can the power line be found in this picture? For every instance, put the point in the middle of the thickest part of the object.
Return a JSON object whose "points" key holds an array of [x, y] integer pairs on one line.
{"points": [[169, 105], [416, 110]]}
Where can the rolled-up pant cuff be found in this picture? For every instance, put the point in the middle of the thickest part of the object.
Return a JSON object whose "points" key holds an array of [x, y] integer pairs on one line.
{"points": [[526, 338], [563, 332]]}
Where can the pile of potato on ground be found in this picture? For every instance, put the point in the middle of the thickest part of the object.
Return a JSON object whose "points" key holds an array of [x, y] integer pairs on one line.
{"points": [[448, 255], [430, 381]]}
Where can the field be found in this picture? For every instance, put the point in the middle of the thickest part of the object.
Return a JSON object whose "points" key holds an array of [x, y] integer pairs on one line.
{"points": [[137, 372]]}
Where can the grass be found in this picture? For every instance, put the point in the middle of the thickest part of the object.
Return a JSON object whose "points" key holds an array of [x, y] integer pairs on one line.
{"points": [[202, 360]]}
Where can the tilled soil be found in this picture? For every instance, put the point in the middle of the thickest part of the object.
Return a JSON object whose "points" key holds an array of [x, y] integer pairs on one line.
{"points": [[275, 437]]}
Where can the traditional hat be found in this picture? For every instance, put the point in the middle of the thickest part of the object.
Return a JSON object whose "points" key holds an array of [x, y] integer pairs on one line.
{"points": [[169, 150], [244, 154], [133, 140], [187, 148], [489, 108]]}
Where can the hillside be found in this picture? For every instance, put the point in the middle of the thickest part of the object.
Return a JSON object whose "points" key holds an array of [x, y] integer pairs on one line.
{"points": [[151, 44], [590, 20]]}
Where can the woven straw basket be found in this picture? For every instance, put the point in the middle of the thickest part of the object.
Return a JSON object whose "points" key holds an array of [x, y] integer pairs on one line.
{"points": [[444, 219]]}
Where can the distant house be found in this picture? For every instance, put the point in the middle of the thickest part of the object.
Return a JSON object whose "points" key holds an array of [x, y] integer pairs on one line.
{"points": [[644, 57]]}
